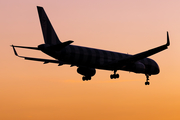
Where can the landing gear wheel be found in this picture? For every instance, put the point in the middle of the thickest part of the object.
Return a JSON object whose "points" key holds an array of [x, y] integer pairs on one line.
{"points": [[111, 76], [147, 83], [114, 76], [117, 75], [86, 78], [83, 78]]}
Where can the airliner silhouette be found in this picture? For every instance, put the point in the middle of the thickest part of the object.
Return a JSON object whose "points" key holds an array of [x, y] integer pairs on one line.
{"points": [[89, 59]]}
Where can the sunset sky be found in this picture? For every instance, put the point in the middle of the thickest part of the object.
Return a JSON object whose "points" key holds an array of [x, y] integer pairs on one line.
{"points": [[33, 91]]}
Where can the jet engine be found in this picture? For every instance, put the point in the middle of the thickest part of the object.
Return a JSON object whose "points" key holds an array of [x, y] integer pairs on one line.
{"points": [[87, 72], [139, 67]]}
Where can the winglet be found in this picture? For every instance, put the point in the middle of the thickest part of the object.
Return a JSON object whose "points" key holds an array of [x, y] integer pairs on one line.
{"points": [[14, 50], [168, 42], [142, 55]]}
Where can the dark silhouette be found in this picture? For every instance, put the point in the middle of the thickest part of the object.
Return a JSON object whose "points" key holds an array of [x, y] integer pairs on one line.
{"points": [[89, 59]]}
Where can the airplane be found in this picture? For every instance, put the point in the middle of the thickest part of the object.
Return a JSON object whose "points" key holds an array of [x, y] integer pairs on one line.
{"points": [[88, 59]]}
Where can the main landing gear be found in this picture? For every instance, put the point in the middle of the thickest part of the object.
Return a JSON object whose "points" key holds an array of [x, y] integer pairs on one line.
{"points": [[114, 76], [147, 78], [86, 78]]}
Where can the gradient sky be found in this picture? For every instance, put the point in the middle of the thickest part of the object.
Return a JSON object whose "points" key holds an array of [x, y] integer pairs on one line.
{"points": [[33, 91]]}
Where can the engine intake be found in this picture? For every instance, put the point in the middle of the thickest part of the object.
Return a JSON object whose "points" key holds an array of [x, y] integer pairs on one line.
{"points": [[86, 71], [139, 67]]}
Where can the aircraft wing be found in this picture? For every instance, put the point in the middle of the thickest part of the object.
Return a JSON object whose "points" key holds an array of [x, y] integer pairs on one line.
{"points": [[34, 48], [37, 59], [142, 55]]}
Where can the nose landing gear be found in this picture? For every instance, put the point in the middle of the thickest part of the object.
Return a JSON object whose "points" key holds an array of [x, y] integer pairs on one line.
{"points": [[114, 76], [147, 78]]}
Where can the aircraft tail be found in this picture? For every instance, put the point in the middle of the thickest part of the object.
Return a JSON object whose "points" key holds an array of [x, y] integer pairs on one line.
{"points": [[50, 36]]}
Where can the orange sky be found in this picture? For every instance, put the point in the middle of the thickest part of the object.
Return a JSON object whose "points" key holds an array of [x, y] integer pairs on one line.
{"points": [[34, 91]]}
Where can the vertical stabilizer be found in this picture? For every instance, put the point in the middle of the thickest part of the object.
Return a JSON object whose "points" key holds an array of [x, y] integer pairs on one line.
{"points": [[49, 34]]}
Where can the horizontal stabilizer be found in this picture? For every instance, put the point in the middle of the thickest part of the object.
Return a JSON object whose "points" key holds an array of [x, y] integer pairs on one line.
{"points": [[61, 45]]}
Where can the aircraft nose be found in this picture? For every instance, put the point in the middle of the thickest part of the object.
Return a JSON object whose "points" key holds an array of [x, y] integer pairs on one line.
{"points": [[156, 68], [152, 67]]}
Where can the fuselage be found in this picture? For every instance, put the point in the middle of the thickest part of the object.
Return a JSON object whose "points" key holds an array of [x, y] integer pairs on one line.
{"points": [[100, 59]]}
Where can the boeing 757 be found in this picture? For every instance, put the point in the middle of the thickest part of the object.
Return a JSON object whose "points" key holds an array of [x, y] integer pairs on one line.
{"points": [[87, 59]]}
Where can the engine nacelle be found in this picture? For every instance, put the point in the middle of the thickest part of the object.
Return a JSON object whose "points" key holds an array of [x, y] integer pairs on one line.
{"points": [[86, 71], [139, 67]]}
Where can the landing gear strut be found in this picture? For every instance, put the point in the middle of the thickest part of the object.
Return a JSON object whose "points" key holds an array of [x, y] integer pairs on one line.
{"points": [[114, 76], [147, 78], [86, 78]]}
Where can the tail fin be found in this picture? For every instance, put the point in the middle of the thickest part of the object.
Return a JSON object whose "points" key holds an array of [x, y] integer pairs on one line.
{"points": [[49, 34]]}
